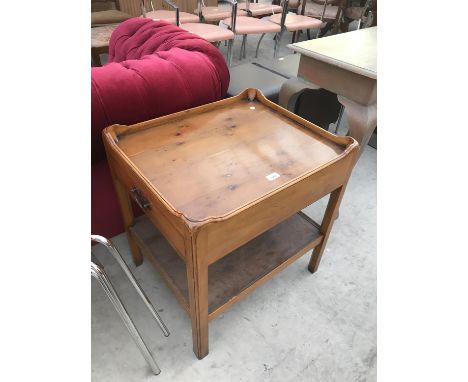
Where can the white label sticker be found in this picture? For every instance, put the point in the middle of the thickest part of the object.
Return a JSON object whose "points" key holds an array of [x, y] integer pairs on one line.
{"points": [[272, 176]]}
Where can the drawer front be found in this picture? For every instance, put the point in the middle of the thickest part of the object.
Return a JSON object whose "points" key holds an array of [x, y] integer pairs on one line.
{"points": [[222, 237], [169, 225]]}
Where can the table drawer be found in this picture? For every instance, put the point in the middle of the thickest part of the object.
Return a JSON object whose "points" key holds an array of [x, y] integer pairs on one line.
{"points": [[145, 197]]}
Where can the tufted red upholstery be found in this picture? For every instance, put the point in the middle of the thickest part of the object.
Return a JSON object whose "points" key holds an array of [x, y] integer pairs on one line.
{"points": [[154, 69]]}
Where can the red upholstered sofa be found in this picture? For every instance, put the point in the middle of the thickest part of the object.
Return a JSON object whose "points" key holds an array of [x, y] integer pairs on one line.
{"points": [[154, 68]]}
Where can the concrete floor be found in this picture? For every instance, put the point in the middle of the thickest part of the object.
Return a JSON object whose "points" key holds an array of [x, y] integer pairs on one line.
{"points": [[296, 327]]}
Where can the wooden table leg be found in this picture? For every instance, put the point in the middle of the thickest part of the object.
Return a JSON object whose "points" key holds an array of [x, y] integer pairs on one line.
{"points": [[328, 219], [95, 57], [197, 279], [127, 215], [362, 121]]}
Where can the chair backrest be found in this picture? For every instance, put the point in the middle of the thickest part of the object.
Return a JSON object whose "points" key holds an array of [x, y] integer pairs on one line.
{"points": [[325, 4], [168, 2], [233, 14]]}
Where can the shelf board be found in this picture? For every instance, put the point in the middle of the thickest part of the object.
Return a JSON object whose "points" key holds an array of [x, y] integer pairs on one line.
{"points": [[238, 273]]}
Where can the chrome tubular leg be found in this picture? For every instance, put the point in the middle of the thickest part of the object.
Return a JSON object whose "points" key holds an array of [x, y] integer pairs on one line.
{"points": [[338, 121], [244, 37], [293, 39], [99, 274], [258, 45], [229, 52], [278, 43], [111, 248], [245, 47]]}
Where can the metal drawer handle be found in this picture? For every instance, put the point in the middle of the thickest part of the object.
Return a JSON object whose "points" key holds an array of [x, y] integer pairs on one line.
{"points": [[140, 198]]}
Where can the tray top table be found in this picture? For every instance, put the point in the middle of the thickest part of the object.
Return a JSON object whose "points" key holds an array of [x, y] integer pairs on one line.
{"points": [[222, 186], [345, 64]]}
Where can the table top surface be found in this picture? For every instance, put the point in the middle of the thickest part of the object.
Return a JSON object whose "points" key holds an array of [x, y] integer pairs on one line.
{"points": [[210, 163], [100, 36], [355, 51]]}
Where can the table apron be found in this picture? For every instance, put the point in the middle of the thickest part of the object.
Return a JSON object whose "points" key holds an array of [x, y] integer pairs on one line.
{"points": [[222, 237], [354, 86], [168, 224]]}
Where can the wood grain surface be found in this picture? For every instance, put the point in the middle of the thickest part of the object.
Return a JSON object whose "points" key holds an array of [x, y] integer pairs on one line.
{"points": [[222, 158]]}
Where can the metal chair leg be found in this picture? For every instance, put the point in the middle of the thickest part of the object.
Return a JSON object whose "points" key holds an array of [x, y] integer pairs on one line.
{"points": [[338, 121], [298, 36], [293, 39], [229, 52], [278, 42], [98, 273], [245, 47], [113, 250], [244, 37], [258, 45]]}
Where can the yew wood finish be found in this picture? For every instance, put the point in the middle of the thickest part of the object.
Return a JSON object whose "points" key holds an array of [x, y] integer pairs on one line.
{"points": [[221, 186]]}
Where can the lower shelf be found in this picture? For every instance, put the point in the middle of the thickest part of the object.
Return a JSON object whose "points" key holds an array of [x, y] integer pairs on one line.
{"points": [[238, 273]]}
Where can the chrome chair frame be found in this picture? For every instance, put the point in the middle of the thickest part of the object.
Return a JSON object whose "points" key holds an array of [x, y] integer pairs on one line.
{"points": [[97, 271], [233, 17], [244, 38], [285, 4], [366, 6], [168, 2]]}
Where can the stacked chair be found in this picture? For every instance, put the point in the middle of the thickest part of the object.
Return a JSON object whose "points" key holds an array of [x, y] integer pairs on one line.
{"points": [[329, 11], [245, 25], [214, 14], [361, 13], [194, 23], [295, 23], [212, 32], [260, 9], [240, 20], [169, 16]]}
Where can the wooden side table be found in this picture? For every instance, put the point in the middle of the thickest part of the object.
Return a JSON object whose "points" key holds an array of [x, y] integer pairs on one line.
{"points": [[222, 187], [100, 37]]}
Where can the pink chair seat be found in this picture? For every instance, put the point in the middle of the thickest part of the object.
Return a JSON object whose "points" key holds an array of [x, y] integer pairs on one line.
{"points": [[209, 32], [295, 22], [212, 14], [262, 9], [316, 10], [251, 25], [170, 16]]}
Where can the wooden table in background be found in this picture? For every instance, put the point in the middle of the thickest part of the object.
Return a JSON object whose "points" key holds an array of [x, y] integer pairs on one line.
{"points": [[222, 187], [100, 37], [345, 64]]}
